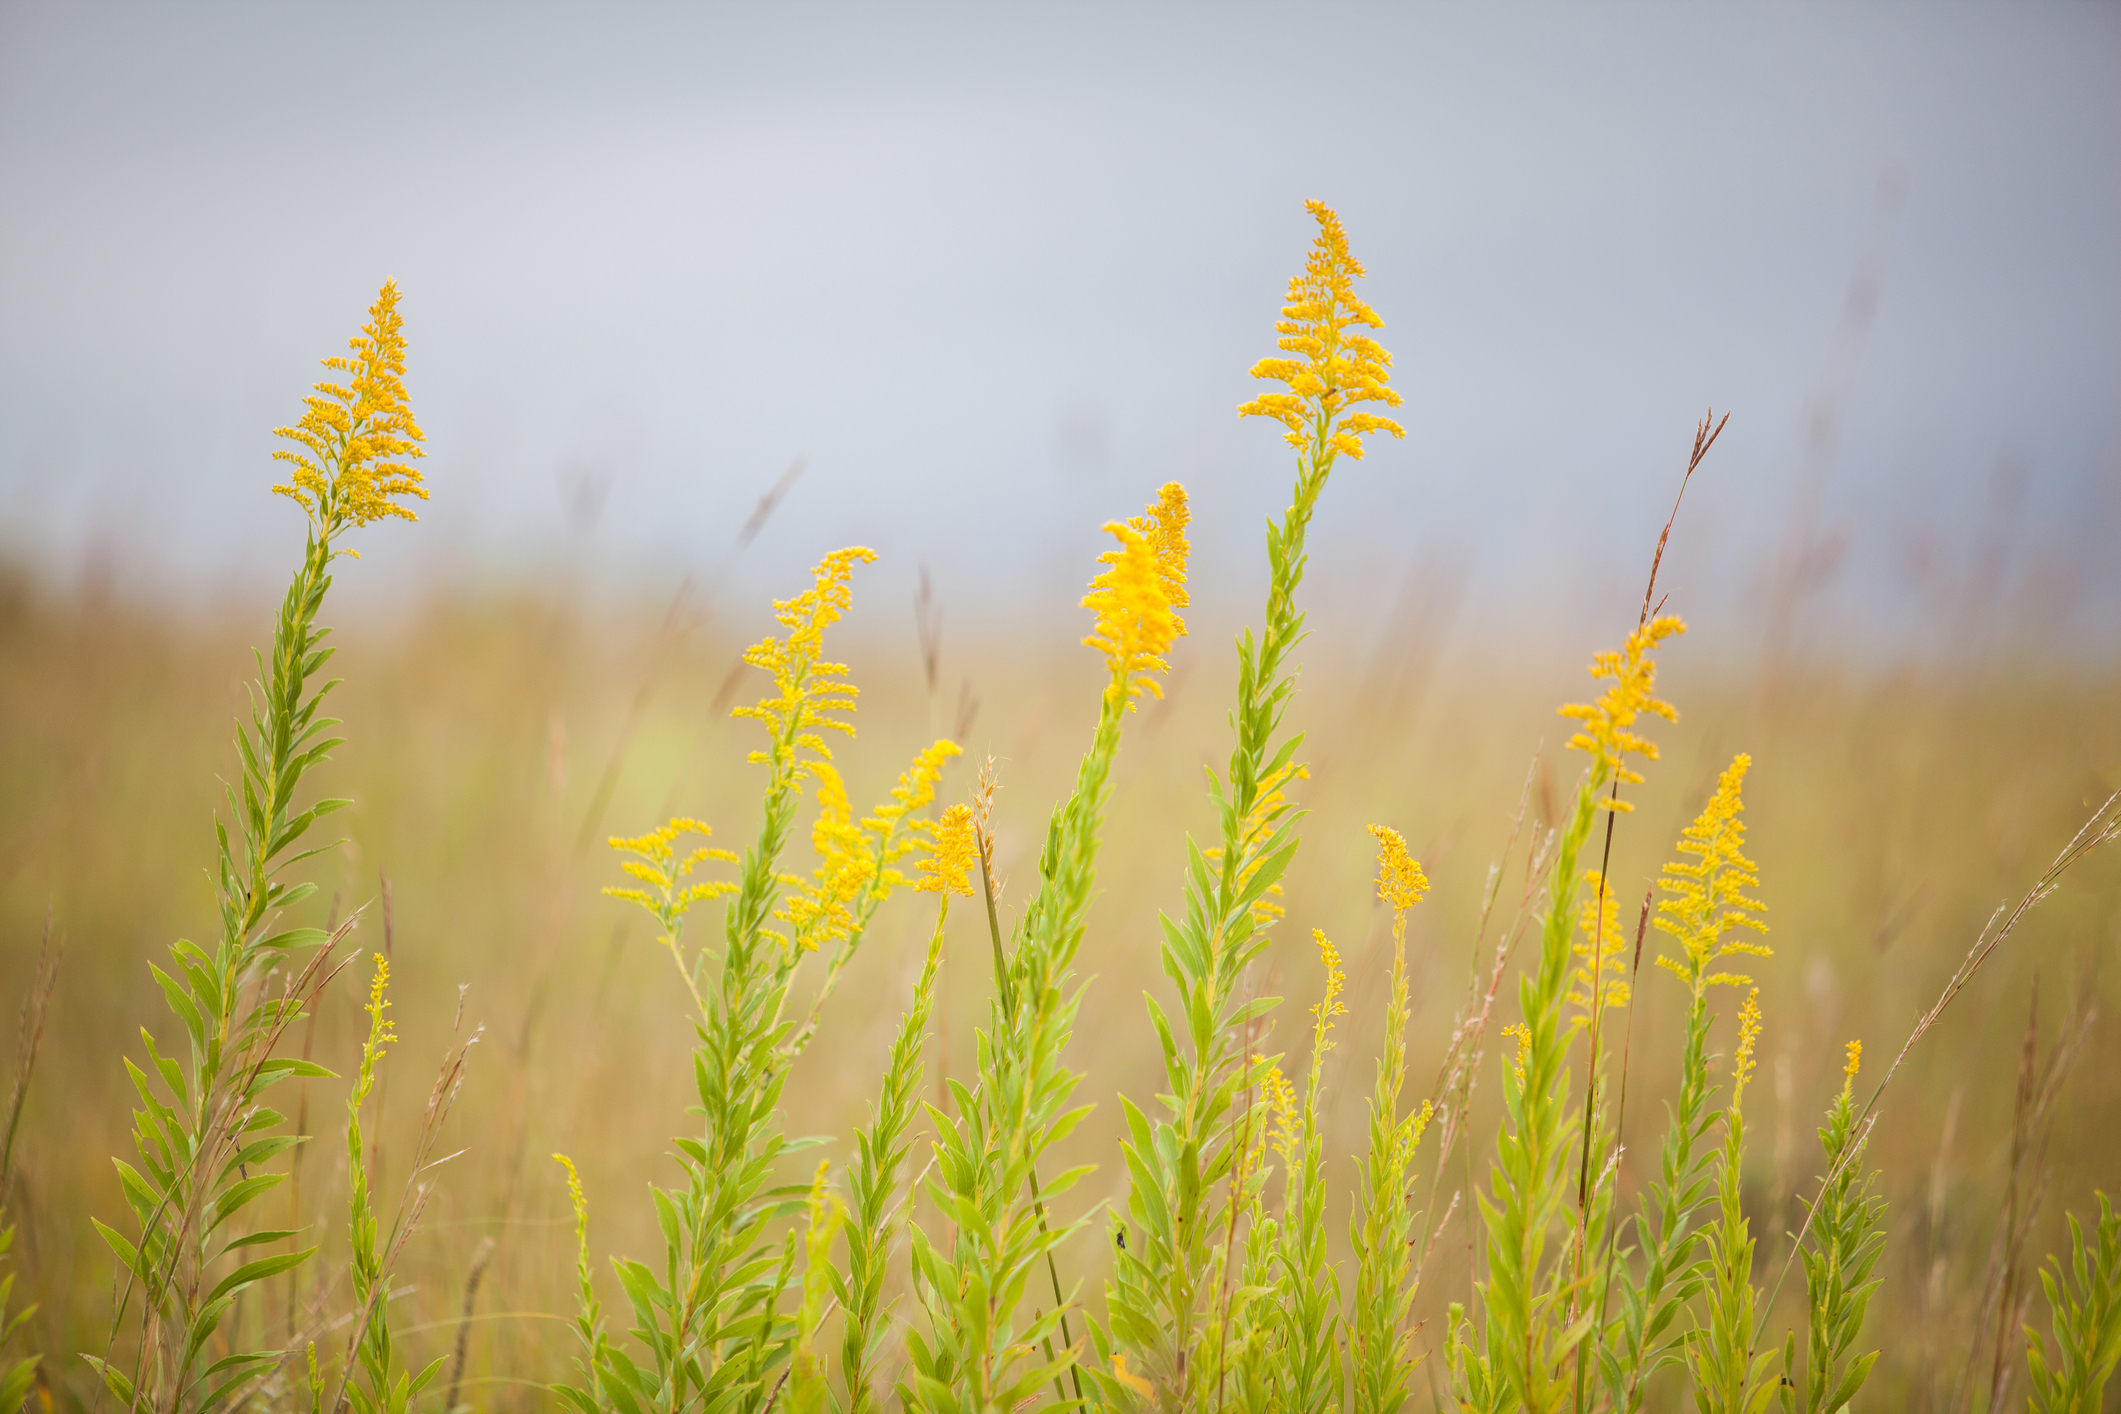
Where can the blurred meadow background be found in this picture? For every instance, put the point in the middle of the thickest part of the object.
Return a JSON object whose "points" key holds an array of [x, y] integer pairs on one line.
{"points": [[695, 295]]}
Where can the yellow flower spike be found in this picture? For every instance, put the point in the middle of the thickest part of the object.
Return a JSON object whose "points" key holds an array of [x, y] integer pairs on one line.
{"points": [[1278, 1093], [1421, 1123], [821, 907], [1607, 723], [1165, 524], [1708, 896], [899, 826], [668, 898], [1269, 798], [1748, 1033], [1134, 599], [1330, 1005], [381, 1032], [1336, 369], [808, 691], [1603, 924], [949, 870], [1523, 1034], [1400, 882], [1855, 1063], [358, 441], [574, 1194]]}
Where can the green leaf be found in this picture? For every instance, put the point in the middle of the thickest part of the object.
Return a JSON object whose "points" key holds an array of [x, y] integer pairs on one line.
{"points": [[253, 1239], [240, 1194], [253, 1154], [113, 1379], [296, 938], [279, 1068], [15, 1385], [181, 1004]]}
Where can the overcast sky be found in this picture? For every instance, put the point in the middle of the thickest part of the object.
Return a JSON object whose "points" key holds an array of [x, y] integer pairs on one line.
{"points": [[994, 272]]}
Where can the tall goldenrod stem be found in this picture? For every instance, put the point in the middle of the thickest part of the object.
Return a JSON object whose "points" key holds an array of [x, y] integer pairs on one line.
{"points": [[1001, 984]]}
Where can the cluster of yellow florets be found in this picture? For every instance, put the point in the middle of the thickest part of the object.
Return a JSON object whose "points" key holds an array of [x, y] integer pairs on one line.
{"points": [[1607, 723], [1601, 975], [949, 869], [1136, 599], [1400, 882], [821, 907], [1278, 1094], [1330, 1005], [1337, 368], [1709, 898], [853, 858], [1523, 1036], [1748, 1034], [381, 1030], [657, 863], [358, 441], [899, 827], [808, 691]]}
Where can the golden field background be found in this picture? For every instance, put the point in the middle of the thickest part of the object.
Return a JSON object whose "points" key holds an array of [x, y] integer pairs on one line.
{"points": [[1890, 811]]}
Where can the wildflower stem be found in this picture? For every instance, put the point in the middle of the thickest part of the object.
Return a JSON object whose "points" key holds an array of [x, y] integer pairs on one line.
{"points": [[1001, 983]]}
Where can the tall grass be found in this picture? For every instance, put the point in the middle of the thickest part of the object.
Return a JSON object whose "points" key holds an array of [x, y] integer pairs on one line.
{"points": [[957, 1256]]}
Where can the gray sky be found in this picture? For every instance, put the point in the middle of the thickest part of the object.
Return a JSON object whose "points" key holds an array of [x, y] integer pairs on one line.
{"points": [[997, 271]]}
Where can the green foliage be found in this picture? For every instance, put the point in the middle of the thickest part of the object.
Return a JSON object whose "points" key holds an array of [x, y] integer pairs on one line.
{"points": [[979, 1350], [1661, 1277], [1729, 1375], [1847, 1238], [204, 1132], [2084, 1305], [374, 1383], [1519, 1359], [18, 1375], [874, 1186], [1220, 1298], [1166, 1280]]}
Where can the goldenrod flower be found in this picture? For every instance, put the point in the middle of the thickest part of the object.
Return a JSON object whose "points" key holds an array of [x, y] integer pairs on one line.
{"points": [[668, 898], [949, 869], [821, 907], [1709, 894], [1266, 805], [1400, 882], [1337, 369], [1165, 524], [1421, 1124], [1278, 1094], [1523, 1034], [381, 1031], [1748, 1033], [358, 441], [656, 863], [1604, 978], [1135, 598], [1328, 1006], [808, 690], [574, 1195], [1855, 1063], [899, 827], [1607, 733]]}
